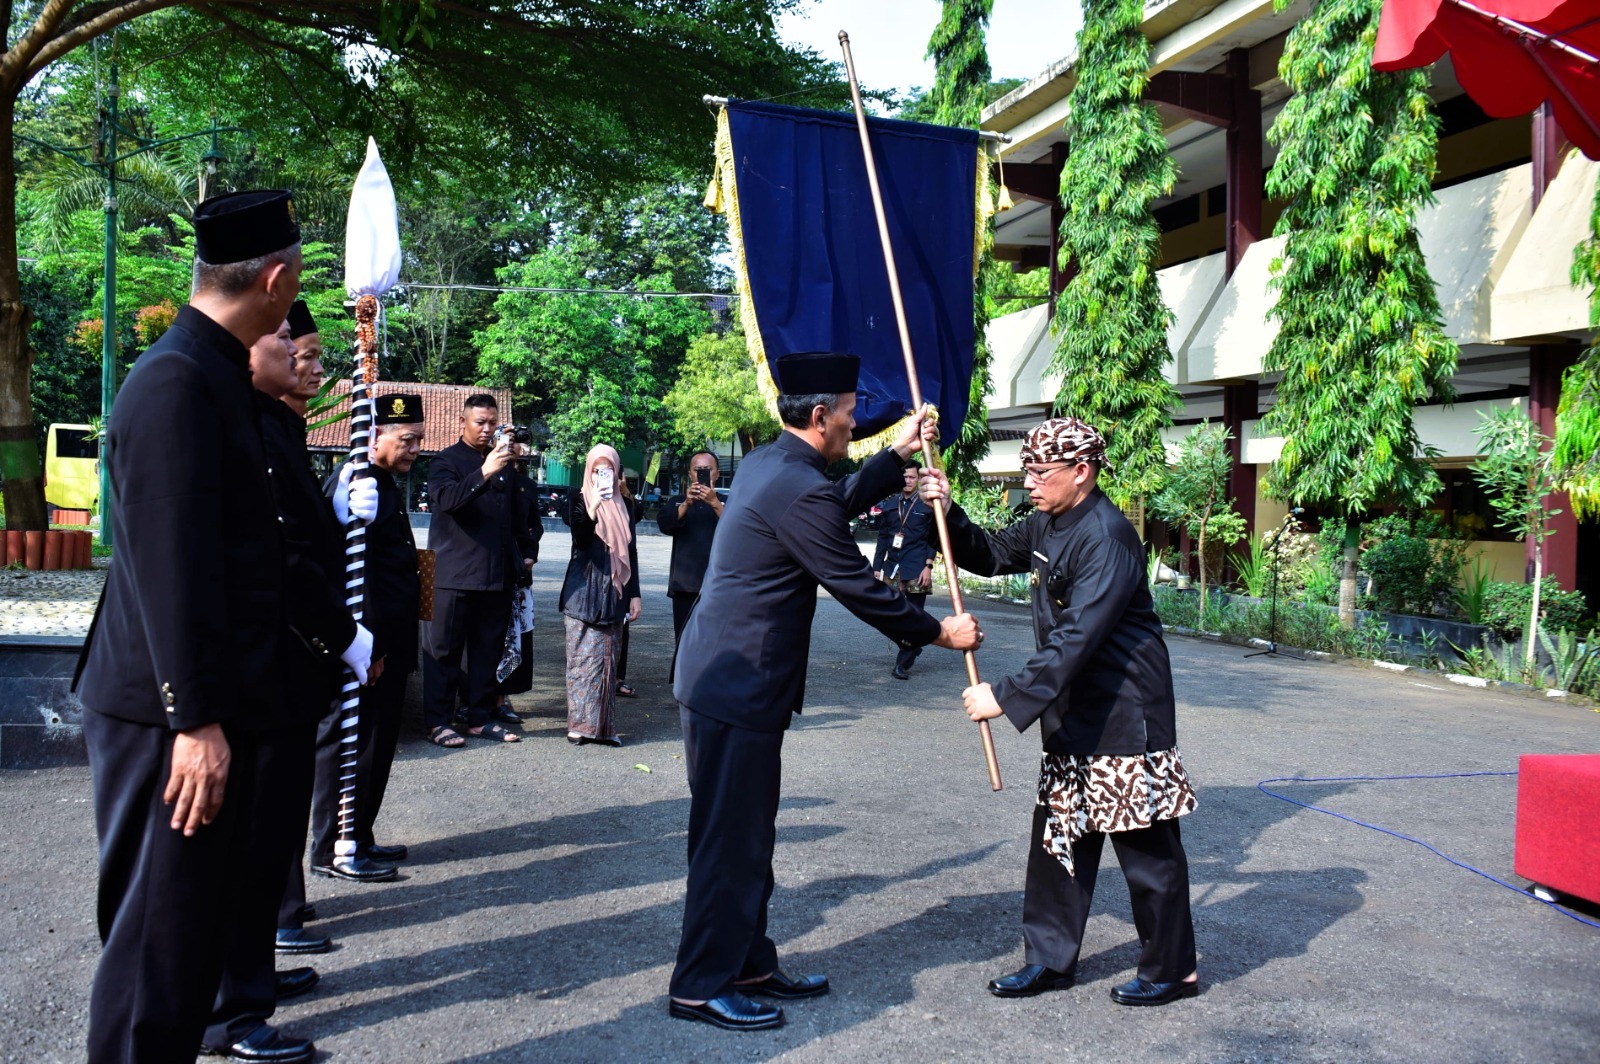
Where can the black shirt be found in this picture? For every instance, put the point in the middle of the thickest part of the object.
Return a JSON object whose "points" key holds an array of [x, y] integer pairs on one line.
{"points": [[691, 543]]}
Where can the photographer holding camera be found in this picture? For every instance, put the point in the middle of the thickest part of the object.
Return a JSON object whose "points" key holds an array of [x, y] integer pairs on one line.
{"points": [[691, 520], [482, 549]]}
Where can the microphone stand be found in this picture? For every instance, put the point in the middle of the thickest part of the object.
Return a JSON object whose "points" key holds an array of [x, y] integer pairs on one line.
{"points": [[1272, 607]]}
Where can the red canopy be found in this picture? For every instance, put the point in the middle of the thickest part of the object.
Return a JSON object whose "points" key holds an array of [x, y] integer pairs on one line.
{"points": [[1510, 55]]}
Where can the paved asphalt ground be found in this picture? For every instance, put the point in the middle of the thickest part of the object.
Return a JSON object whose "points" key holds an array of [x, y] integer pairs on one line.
{"points": [[538, 917]]}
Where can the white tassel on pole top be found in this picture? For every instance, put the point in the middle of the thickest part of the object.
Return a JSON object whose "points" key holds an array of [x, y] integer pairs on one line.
{"points": [[371, 268]]}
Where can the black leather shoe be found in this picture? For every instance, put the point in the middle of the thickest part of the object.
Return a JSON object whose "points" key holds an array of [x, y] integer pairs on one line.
{"points": [[1029, 980], [357, 868], [1140, 992], [731, 1011], [265, 1044], [299, 940], [292, 981], [900, 674], [386, 853], [505, 715], [779, 985]]}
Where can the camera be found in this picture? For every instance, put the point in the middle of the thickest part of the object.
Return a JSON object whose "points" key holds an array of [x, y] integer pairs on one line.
{"points": [[516, 433]]}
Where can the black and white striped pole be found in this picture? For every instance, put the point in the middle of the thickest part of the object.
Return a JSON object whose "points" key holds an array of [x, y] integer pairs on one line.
{"points": [[364, 376]]}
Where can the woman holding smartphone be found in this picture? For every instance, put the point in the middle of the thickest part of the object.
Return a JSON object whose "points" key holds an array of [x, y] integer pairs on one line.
{"points": [[600, 594]]}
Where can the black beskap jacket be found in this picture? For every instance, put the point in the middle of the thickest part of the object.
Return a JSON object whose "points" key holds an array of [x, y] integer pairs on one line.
{"points": [[1100, 681], [478, 532], [785, 530]]}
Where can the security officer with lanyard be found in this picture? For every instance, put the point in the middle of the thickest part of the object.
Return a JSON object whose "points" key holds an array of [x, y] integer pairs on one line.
{"points": [[904, 557], [181, 675]]}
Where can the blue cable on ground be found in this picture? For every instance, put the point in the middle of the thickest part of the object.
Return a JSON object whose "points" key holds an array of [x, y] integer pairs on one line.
{"points": [[1262, 787]]}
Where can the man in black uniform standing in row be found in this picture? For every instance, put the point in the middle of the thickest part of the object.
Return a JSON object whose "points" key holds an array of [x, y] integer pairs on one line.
{"points": [[316, 620], [393, 592], [742, 678], [181, 670]]}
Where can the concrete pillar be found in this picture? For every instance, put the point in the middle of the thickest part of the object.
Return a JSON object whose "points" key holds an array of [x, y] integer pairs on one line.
{"points": [[1546, 363], [1246, 181], [1549, 148], [1058, 276], [1240, 403]]}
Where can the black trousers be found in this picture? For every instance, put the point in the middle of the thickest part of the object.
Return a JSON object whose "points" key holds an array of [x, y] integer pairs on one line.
{"points": [[907, 656], [464, 622], [165, 903], [681, 607], [733, 807], [377, 738], [275, 822], [1055, 906]]}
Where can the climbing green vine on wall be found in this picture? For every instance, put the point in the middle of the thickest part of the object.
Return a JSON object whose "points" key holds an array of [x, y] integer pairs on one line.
{"points": [[961, 62], [1577, 439], [1361, 342], [1111, 324]]}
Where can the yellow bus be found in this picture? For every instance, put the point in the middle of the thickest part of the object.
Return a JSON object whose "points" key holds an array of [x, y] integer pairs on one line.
{"points": [[72, 467]]}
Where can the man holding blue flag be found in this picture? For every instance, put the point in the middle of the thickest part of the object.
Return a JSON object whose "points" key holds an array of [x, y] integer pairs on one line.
{"points": [[741, 676]]}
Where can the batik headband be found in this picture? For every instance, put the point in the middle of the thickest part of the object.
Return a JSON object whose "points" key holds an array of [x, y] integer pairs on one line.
{"points": [[1064, 439]]}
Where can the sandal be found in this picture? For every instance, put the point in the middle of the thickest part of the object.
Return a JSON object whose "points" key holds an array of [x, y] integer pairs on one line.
{"points": [[625, 690], [446, 737], [495, 734]]}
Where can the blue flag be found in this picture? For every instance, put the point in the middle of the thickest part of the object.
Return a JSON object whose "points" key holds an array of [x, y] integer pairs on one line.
{"points": [[810, 263]]}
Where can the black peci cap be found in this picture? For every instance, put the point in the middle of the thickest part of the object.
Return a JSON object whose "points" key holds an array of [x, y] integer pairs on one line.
{"points": [[301, 323], [238, 226], [399, 409], [818, 374]]}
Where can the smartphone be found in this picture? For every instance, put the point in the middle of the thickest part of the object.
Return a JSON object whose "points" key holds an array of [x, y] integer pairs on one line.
{"points": [[605, 481], [703, 477]]}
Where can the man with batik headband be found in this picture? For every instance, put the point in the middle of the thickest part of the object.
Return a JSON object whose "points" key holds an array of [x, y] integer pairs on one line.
{"points": [[307, 358], [1100, 685]]}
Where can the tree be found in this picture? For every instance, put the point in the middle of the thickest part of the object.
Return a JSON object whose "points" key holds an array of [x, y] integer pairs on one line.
{"points": [[716, 396], [1360, 342], [1515, 470], [1577, 441], [1196, 493], [1111, 325], [594, 364], [594, 92], [960, 88]]}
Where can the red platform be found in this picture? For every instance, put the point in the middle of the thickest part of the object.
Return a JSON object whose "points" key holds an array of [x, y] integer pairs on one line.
{"points": [[1558, 823]]}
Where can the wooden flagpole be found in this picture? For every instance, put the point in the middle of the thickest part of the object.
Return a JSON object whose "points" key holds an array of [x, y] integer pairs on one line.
{"points": [[916, 390]]}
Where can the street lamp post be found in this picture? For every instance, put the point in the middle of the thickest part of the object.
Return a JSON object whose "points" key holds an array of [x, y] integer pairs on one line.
{"points": [[102, 158]]}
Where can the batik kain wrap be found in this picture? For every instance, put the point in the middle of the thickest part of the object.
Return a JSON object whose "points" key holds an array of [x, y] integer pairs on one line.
{"points": [[808, 267]]}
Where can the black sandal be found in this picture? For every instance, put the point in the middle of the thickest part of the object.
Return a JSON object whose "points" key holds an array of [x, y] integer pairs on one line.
{"points": [[495, 734], [446, 737], [625, 690]]}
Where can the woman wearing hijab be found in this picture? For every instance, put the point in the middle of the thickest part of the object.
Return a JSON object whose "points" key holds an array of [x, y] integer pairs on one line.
{"points": [[601, 592]]}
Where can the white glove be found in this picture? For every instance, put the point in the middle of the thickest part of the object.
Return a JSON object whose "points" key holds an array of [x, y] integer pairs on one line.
{"points": [[358, 655], [359, 498]]}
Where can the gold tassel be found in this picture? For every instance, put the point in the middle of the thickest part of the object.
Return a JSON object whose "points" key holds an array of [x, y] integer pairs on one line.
{"points": [[713, 201]]}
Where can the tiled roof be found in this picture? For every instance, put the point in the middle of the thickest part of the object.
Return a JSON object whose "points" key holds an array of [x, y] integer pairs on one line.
{"points": [[441, 410]]}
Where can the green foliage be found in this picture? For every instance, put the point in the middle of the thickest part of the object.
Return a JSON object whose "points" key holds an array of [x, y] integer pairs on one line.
{"points": [[594, 366], [1361, 341], [1574, 663], [1507, 607], [1308, 627], [1254, 567], [961, 63], [1577, 443], [716, 397], [1472, 596], [1196, 494], [1111, 324], [985, 506], [1413, 560], [1515, 470]]}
